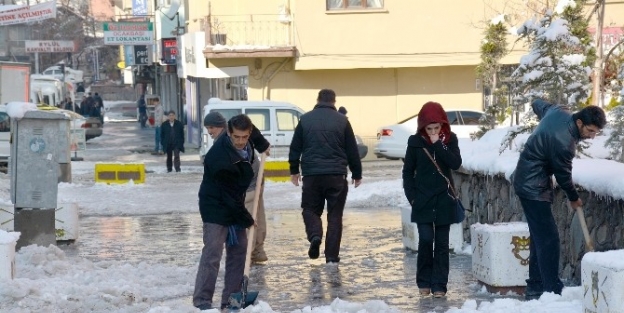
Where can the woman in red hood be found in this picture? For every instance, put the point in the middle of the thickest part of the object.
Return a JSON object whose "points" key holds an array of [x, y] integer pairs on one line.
{"points": [[433, 207]]}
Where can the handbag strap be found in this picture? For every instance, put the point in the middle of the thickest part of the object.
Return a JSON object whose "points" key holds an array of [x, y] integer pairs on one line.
{"points": [[440, 171]]}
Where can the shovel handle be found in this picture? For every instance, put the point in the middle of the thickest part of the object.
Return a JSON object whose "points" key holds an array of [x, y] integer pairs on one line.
{"points": [[589, 245]]}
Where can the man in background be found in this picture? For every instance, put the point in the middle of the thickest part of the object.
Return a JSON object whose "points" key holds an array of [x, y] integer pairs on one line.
{"points": [[172, 139]]}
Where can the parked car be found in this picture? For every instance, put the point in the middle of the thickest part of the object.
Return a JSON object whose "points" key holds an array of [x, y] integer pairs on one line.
{"points": [[392, 139], [92, 125]]}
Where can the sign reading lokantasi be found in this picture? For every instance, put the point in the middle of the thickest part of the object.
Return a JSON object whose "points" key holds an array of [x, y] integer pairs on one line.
{"points": [[128, 33]]}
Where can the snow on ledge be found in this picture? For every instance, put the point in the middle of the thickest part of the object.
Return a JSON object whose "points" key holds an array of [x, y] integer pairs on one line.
{"points": [[16, 110], [219, 47]]}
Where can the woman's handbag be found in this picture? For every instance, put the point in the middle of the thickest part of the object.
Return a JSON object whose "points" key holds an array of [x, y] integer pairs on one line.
{"points": [[460, 211]]}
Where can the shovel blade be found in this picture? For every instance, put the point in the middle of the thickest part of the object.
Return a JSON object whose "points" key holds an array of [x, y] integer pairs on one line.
{"points": [[237, 303]]}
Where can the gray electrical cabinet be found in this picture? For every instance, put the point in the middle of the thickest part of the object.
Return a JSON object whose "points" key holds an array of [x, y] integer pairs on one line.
{"points": [[39, 149]]}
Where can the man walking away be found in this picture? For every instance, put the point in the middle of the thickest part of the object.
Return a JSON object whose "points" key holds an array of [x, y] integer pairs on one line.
{"points": [[99, 104], [142, 111], [324, 145], [549, 151], [172, 138], [158, 119], [227, 174]]}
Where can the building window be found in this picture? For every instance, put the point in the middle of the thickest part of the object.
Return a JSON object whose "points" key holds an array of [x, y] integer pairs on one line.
{"points": [[354, 4]]}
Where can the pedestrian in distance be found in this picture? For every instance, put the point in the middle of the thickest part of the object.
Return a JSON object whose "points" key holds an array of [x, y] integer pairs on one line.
{"points": [[215, 125], [428, 192], [172, 139], [228, 171], [99, 104], [324, 145], [142, 111], [158, 120], [549, 151]]}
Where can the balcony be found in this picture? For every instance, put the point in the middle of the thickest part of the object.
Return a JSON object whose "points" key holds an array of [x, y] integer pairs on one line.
{"points": [[250, 36]]}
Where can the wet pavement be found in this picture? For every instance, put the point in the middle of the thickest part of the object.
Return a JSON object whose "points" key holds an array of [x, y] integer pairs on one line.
{"points": [[374, 264]]}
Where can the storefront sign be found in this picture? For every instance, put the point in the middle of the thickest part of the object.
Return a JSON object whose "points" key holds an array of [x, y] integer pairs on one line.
{"points": [[169, 50], [27, 14], [141, 55], [128, 33], [139, 7], [50, 46]]}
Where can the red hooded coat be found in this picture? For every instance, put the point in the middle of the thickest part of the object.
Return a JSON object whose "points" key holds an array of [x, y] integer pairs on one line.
{"points": [[432, 112]]}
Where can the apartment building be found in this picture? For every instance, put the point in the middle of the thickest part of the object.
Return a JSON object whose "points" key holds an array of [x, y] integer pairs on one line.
{"points": [[384, 59]]}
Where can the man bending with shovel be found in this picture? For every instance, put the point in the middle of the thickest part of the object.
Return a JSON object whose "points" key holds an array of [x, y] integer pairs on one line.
{"points": [[549, 151], [227, 174]]}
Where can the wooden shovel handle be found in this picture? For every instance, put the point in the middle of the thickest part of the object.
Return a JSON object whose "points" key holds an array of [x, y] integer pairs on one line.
{"points": [[251, 238], [589, 244]]}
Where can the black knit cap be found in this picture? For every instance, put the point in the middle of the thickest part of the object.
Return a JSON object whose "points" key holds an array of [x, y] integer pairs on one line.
{"points": [[215, 119]]}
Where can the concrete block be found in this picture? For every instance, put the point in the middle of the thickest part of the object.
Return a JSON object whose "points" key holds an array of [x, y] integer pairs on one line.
{"points": [[118, 173], [36, 227], [410, 232], [602, 276], [500, 254], [8, 240], [67, 222]]}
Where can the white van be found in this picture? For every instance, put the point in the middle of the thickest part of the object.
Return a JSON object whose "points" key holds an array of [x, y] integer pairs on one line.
{"points": [[275, 120]]}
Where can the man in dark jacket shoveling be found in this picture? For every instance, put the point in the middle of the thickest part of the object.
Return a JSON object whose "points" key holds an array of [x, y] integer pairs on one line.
{"points": [[227, 174], [549, 151]]}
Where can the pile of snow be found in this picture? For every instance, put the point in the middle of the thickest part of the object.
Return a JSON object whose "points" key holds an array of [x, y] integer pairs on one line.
{"points": [[8, 237], [16, 109]]}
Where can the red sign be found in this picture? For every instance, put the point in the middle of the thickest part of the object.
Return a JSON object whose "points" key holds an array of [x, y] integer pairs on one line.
{"points": [[611, 36], [169, 50]]}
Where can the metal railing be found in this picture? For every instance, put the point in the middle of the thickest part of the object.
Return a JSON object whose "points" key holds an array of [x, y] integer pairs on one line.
{"points": [[255, 31]]}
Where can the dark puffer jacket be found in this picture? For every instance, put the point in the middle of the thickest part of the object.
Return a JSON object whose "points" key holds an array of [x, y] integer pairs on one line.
{"points": [[549, 150], [222, 191], [424, 187], [325, 142]]}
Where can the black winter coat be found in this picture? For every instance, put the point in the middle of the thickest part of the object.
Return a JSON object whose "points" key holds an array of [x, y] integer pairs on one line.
{"points": [[224, 185], [325, 143], [548, 151], [424, 187], [165, 135]]}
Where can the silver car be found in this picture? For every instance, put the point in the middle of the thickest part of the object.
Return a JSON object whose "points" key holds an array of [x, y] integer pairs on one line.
{"points": [[392, 139]]}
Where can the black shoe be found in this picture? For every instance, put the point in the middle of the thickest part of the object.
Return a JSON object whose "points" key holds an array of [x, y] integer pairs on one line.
{"points": [[204, 307], [178, 171], [315, 244], [532, 295], [168, 171], [332, 260]]}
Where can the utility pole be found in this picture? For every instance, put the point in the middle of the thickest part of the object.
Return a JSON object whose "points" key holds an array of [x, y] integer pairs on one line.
{"points": [[598, 64]]}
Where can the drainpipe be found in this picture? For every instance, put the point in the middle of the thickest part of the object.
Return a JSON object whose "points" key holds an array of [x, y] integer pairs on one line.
{"points": [[267, 83]]}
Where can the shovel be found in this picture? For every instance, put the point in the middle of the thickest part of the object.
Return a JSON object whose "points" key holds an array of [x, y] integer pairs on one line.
{"points": [[246, 298], [589, 244]]}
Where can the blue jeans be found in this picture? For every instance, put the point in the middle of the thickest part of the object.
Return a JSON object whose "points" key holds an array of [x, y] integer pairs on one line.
{"points": [[432, 262], [157, 145], [544, 247]]}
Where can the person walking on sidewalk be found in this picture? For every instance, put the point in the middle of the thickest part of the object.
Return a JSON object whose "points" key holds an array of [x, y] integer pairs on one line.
{"points": [[428, 193], [227, 174], [142, 111], [172, 138], [158, 120], [324, 145], [549, 151], [215, 126]]}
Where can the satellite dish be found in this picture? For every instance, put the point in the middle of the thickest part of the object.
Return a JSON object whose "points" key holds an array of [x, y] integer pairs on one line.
{"points": [[172, 9]]}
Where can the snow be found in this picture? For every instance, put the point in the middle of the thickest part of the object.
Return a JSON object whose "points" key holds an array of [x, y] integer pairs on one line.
{"points": [[17, 109], [219, 47], [8, 237], [563, 4], [608, 259], [501, 227], [498, 19]]}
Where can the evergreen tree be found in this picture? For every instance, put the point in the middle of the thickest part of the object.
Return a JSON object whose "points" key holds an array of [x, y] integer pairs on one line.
{"points": [[493, 49], [555, 68], [616, 138]]}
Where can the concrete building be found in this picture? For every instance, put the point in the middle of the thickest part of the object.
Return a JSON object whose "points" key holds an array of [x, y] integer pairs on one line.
{"points": [[384, 59]]}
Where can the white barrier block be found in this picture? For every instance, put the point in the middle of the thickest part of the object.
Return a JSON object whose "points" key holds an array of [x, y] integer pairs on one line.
{"points": [[66, 221], [7, 215], [8, 240], [500, 253], [410, 232], [602, 275]]}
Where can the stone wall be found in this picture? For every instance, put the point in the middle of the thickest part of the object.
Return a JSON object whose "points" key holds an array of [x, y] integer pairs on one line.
{"points": [[492, 200]]}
